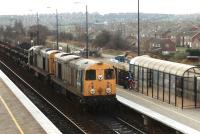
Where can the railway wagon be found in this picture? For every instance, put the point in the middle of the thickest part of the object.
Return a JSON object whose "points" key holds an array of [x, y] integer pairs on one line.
{"points": [[63, 67], [50, 61], [33, 55], [44, 58], [36, 61], [2, 48], [56, 56], [17, 53]]}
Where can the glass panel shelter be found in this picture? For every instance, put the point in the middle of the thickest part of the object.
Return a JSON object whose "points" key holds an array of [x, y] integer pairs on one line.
{"points": [[175, 83]]}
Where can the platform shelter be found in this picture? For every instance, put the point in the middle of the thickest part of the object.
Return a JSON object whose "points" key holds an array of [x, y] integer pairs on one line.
{"points": [[175, 83]]}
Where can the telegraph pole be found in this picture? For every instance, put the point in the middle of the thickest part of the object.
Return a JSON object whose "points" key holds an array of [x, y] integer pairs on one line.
{"points": [[56, 29], [86, 16], [87, 51], [37, 29], [138, 27]]}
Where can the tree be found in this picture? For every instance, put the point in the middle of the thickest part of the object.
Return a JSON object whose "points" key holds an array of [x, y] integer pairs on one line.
{"points": [[1, 33], [8, 34], [117, 42], [113, 41], [19, 28], [81, 37], [103, 38], [43, 32], [144, 44], [19, 33], [66, 36], [13, 34]]}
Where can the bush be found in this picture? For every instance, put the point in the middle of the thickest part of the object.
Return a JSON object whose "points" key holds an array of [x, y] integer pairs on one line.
{"points": [[193, 52], [112, 41], [66, 36], [180, 55], [102, 39]]}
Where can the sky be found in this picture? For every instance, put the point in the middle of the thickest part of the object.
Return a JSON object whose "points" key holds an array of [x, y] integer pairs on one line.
{"points": [[22, 7]]}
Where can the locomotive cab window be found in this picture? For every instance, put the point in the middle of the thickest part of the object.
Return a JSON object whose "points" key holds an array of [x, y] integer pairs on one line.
{"points": [[109, 74], [90, 75]]}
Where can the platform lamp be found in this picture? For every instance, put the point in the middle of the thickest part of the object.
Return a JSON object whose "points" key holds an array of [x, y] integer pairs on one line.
{"points": [[37, 29], [86, 17], [138, 27], [56, 28]]}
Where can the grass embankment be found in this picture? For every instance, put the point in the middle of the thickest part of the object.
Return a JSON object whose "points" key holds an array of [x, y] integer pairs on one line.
{"points": [[113, 52]]}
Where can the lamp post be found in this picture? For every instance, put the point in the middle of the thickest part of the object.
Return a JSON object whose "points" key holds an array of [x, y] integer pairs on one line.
{"points": [[87, 51], [183, 44], [37, 29], [86, 17], [56, 28], [138, 27]]}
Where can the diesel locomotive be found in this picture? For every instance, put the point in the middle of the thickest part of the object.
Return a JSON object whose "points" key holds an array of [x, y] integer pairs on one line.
{"points": [[87, 80]]}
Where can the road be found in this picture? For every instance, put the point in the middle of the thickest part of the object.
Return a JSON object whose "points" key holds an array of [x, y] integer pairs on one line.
{"points": [[75, 48]]}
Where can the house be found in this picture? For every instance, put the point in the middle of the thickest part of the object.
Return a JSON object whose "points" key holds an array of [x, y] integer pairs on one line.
{"points": [[132, 40], [166, 34], [163, 45], [196, 41], [184, 38]]}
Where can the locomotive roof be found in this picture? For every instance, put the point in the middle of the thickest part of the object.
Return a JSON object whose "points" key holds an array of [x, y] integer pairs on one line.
{"points": [[35, 47], [52, 51], [67, 58], [60, 54], [168, 67], [83, 63], [44, 51]]}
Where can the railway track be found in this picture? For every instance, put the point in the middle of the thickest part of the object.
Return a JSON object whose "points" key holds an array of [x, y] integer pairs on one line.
{"points": [[51, 111], [57, 113], [65, 123], [127, 127], [120, 126]]}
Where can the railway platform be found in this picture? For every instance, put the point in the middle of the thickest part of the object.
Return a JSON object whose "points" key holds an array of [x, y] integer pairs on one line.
{"points": [[182, 120], [18, 114]]}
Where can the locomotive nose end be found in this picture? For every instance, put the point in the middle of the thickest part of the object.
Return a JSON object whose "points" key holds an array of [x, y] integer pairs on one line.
{"points": [[100, 90]]}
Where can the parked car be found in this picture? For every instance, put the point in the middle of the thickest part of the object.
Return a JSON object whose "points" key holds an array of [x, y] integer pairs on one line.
{"points": [[120, 58]]}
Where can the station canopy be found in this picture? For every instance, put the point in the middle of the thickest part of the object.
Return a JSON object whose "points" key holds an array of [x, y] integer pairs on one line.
{"points": [[169, 67]]}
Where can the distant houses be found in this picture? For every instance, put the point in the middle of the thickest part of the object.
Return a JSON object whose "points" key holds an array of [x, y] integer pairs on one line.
{"points": [[196, 41], [190, 40], [163, 45], [165, 42], [188, 37]]}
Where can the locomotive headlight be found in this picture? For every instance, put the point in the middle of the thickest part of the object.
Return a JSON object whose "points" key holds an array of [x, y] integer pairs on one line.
{"points": [[108, 90], [100, 77], [92, 91]]}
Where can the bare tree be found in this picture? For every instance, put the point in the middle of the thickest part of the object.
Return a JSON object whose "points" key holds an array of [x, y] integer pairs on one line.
{"points": [[66, 36], [43, 33], [103, 38], [114, 41]]}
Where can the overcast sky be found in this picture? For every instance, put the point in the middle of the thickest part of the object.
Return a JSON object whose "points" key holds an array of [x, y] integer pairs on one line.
{"points": [[102, 6]]}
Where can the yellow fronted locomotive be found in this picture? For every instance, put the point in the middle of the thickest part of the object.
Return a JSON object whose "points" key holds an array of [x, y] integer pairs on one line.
{"points": [[88, 80]]}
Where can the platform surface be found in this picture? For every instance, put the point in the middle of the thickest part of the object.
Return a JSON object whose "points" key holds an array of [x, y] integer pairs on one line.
{"points": [[183, 120], [18, 115]]}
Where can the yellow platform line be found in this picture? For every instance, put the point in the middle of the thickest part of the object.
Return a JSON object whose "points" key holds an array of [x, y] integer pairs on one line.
{"points": [[11, 115]]}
